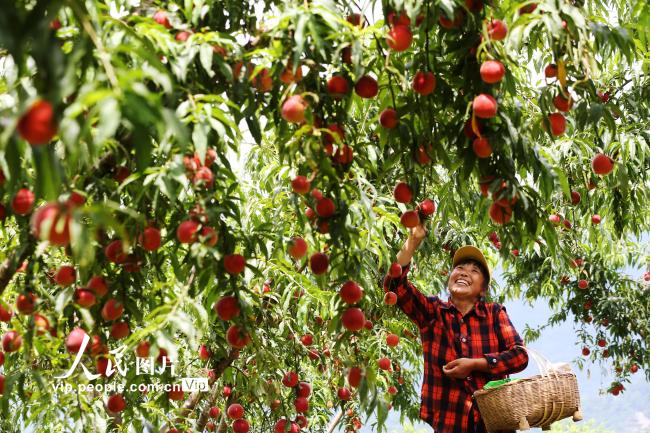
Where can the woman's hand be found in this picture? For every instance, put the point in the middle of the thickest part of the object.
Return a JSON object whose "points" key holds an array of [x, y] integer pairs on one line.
{"points": [[416, 235], [460, 368], [418, 232]]}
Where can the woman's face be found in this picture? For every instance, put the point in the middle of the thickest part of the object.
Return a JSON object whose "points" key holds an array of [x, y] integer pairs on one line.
{"points": [[466, 281]]}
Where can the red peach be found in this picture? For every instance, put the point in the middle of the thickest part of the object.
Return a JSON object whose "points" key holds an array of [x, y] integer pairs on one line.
{"points": [[399, 38], [120, 330], [353, 319], [318, 263], [344, 394], [402, 193], [52, 223], [366, 87], [410, 219], [424, 83], [500, 214], [84, 298], [290, 379], [390, 298], [26, 302], [497, 30], [492, 71], [354, 377], [23, 201], [11, 341], [234, 263], [236, 337], [550, 71], [300, 184], [98, 285], [74, 340], [116, 403], [38, 125], [337, 86], [427, 207], [602, 164], [227, 308], [562, 104], [389, 118], [65, 275], [325, 207], [161, 18], [209, 236], [112, 310], [114, 252], [575, 197], [485, 106], [482, 148], [384, 364], [351, 292], [297, 247], [5, 313], [293, 109], [558, 123]]}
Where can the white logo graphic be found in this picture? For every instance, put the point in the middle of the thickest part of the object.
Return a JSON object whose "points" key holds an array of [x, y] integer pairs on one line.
{"points": [[143, 365]]}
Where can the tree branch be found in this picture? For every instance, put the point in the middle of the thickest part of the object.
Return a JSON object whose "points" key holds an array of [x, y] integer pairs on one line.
{"points": [[194, 399], [214, 393], [335, 421], [102, 54], [11, 263]]}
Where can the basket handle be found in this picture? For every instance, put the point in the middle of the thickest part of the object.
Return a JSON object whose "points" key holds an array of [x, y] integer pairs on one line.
{"points": [[543, 364]]}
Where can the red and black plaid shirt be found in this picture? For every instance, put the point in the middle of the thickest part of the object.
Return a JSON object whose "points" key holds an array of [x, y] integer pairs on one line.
{"points": [[484, 332]]}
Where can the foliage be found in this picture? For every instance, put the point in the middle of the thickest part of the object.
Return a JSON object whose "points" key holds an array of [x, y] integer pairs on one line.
{"points": [[160, 124], [570, 427]]}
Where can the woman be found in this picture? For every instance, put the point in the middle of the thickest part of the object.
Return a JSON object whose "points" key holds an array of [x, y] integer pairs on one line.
{"points": [[466, 341]]}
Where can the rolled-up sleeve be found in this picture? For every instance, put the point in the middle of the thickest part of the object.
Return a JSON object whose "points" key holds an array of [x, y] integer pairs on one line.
{"points": [[513, 359], [416, 305]]}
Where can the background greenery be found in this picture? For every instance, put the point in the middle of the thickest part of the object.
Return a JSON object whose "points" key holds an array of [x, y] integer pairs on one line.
{"points": [[129, 95]]}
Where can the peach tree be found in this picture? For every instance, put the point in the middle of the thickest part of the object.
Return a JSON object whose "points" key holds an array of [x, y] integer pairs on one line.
{"points": [[217, 190]]}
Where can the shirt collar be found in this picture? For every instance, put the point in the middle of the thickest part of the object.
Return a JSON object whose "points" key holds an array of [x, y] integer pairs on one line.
{"points": [[479, 307]]}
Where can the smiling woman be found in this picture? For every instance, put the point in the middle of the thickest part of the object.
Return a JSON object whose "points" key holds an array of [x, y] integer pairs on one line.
{"points": [[466, 341], [479, 276], [469, 279]]}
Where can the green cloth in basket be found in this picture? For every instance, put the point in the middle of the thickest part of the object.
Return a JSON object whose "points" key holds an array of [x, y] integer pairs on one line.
{"points": [[497, 383]]}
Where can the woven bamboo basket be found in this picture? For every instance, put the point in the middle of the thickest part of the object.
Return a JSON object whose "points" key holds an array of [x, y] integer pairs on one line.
{"points": [[537, 401]]}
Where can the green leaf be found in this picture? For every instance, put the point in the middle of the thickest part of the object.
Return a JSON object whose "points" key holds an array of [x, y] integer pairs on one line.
{"points": [[206, 54], [109, 119], [48, 172], [564, 182], [12, 166], [595, 113], [300, 37], [224, 68], [254, 128], [143, 148], [200, 138]]}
